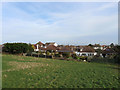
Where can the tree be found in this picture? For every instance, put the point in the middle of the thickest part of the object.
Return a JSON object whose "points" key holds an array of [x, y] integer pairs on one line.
{"points": [[99, 51], [117, 56], [112, 45], [33, 46], [90, 45], [30, 48], [16, 48], [117, 49]]}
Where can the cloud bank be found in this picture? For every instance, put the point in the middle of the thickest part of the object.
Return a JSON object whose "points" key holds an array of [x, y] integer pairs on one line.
{"points": [[64, 23]]}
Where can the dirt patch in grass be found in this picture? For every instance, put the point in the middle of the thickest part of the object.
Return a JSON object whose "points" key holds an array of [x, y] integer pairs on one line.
{"points": [[24, 65], [25, 58]]}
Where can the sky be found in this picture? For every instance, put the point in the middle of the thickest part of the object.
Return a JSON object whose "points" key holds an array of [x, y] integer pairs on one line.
{"points": [[73, 23]]}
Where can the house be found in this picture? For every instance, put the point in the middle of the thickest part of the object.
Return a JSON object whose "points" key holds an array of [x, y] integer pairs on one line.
{"points": [[65, 49], [42, 49], [51, 48], [71, 47], [97, 46], [51, 43], [45, 47], [104, 47], [39, 46], [107, 52], [85, 51]]}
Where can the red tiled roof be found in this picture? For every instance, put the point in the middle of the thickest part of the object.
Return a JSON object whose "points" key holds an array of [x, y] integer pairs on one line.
{"points": [[51, 47], [65, 49], [86, 49], [42, 48], [108, 50], [40, 43]]}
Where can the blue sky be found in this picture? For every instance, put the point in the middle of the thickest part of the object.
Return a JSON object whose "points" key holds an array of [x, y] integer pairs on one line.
{"points": [[60, 22]]}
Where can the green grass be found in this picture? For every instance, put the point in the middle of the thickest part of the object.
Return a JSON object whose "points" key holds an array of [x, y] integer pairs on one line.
{"points": [[31, 72]]}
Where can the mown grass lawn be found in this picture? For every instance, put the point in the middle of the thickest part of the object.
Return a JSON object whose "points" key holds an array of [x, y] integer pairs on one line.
{"points": [[32, 72]]}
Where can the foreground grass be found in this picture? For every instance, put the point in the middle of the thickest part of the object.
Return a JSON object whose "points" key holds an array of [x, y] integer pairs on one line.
{"points": [[31, 72]]}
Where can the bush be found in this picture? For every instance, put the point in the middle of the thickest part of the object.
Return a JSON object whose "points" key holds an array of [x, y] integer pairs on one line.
{"points": [[117, 58], [74, 56], [104, 60], [89, 59], [47, 53], [66, 54], [57, 55], [30, 48], [17, 48], [83, 57]]}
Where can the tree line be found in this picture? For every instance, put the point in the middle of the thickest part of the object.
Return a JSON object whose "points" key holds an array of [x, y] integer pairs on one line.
{"points": [[17, 48]]}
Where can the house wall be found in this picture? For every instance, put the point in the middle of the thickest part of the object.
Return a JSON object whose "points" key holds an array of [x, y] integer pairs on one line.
{"points": [[86, 53], [99, 48], [55, 44], [36, 49]]}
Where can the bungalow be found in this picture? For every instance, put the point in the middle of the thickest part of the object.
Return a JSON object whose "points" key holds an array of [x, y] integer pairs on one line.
{"points": [[39, 46], [45, 47], [51, 43], [65, 49], [107, 52], [97, 46], [71, 47], [51, 48], [85, 51]]}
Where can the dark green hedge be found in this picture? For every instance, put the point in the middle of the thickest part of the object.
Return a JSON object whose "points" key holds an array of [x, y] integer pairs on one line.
{"points": [[17, 48]]}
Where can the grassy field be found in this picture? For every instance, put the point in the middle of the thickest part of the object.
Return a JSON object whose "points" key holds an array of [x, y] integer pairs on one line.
{"points": [[31, 72]]}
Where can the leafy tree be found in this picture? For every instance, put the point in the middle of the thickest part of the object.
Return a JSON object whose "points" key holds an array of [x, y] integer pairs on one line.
{"points": [[117, 56], [33, 46], [98, 52], [30, 48], [112, 45], [90, 45], [17, 48]]}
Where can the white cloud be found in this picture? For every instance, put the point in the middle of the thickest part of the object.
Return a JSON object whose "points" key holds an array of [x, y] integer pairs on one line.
{"points": [[60, 0], [64, 26], [108, 6]]}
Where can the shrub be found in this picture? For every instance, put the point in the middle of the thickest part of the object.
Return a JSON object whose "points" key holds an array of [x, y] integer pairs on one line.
{"points": [[105, 60], [117, 58], [57, 55], [83, 57], [74, 56], [30, 48], [17, 48], [66, 54], [40, 52], [52, 53], [89, 59], [47, 53]]}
